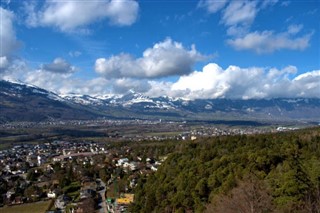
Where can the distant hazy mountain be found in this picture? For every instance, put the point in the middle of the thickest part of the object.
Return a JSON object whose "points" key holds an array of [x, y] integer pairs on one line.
{"points": [[20, 101]]}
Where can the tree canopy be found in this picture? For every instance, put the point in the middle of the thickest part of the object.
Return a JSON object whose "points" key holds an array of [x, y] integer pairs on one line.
{"points": [[279, 170]]}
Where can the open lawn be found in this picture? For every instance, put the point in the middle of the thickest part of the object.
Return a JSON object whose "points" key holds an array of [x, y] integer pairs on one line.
{"points": [[39, 207]]}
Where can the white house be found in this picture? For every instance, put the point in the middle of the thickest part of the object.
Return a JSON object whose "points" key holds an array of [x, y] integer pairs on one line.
{"points": [[122, 161], [51, 194]]}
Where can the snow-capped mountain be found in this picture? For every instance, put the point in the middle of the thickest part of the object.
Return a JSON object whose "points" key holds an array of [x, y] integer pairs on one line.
{"points": [[23, 102], [18, 88], [128, 100], [19, 101], [83, 99]]}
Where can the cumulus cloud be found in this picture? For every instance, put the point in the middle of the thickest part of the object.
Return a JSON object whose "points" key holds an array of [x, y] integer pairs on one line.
{"points": [[62, 83], [211, 82], [123, 85], [161, 88], [67, 83], [214, 82], [165, 58], [246, 83], [59, 65], [123, 12], [212, 6], [308, 83], [269, 41], [60, 78], [8, 40], [71, 14]]}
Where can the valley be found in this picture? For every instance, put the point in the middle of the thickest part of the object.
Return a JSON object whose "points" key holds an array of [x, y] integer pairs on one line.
{"points": [[150, 106], [108, 165]]}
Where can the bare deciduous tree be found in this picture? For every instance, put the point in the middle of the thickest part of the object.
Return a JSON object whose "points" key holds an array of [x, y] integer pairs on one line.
{"points": [[250, 196]]}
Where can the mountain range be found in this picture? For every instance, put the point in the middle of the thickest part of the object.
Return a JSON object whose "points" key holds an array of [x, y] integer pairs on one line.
{"points": [[23, 102]]}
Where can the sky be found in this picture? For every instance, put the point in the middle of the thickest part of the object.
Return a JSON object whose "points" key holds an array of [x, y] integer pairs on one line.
{"points": [[237, 49]]}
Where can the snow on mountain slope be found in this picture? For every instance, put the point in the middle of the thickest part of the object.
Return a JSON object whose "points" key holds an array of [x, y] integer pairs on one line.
{"points": [[18, 88], [19, 102], [139, 104], [128, 100], [83, 99]]}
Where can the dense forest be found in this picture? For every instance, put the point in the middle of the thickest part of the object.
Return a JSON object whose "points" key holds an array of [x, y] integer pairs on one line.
{"points": [[277, 172]]}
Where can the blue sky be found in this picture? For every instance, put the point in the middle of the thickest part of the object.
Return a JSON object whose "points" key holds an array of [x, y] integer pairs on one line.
{"points": [[190, 49]]}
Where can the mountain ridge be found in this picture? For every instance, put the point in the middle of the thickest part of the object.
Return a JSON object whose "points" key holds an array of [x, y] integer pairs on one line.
{"points": [[27, 102]]}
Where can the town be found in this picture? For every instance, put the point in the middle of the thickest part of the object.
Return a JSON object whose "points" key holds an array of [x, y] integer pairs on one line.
{"points": [[78, 176]]}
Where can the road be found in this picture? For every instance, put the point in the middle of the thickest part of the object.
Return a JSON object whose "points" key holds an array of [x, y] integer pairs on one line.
{"points": [[103, 204]]}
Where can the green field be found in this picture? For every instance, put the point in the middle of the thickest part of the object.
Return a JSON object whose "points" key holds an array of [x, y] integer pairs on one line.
{"points": [[39, 207]]}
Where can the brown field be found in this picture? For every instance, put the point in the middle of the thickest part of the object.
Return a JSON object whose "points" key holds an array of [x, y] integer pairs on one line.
{"points": [[39, 207]]}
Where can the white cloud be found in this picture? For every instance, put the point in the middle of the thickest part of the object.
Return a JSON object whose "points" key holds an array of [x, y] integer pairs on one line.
{"points": [[238, 17], [246, 83], [212, 82], [294, 29], [266, 3], [67, 83], [8, 38], [268, 42], [47, 80], [123, 85], [4, 62], [199, 80], [123, 12], [59, 65], [60, 79], [122, 65], [70, 15], [237, 31], [161, 88], [308, 84], [15, 70], [212, 6], [166, 58], [276, 74], [240, 12], [62, 83]]}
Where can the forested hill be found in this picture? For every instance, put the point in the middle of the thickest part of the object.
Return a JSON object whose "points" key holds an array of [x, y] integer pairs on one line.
{"points": [[262, 173]]}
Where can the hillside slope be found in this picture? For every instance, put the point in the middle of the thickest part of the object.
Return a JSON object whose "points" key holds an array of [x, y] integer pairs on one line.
{"points": [[276, 172], [20, 102]]}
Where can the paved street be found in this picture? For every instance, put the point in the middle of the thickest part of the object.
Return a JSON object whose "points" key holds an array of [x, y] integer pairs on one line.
{"points": [[103, 204]]}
